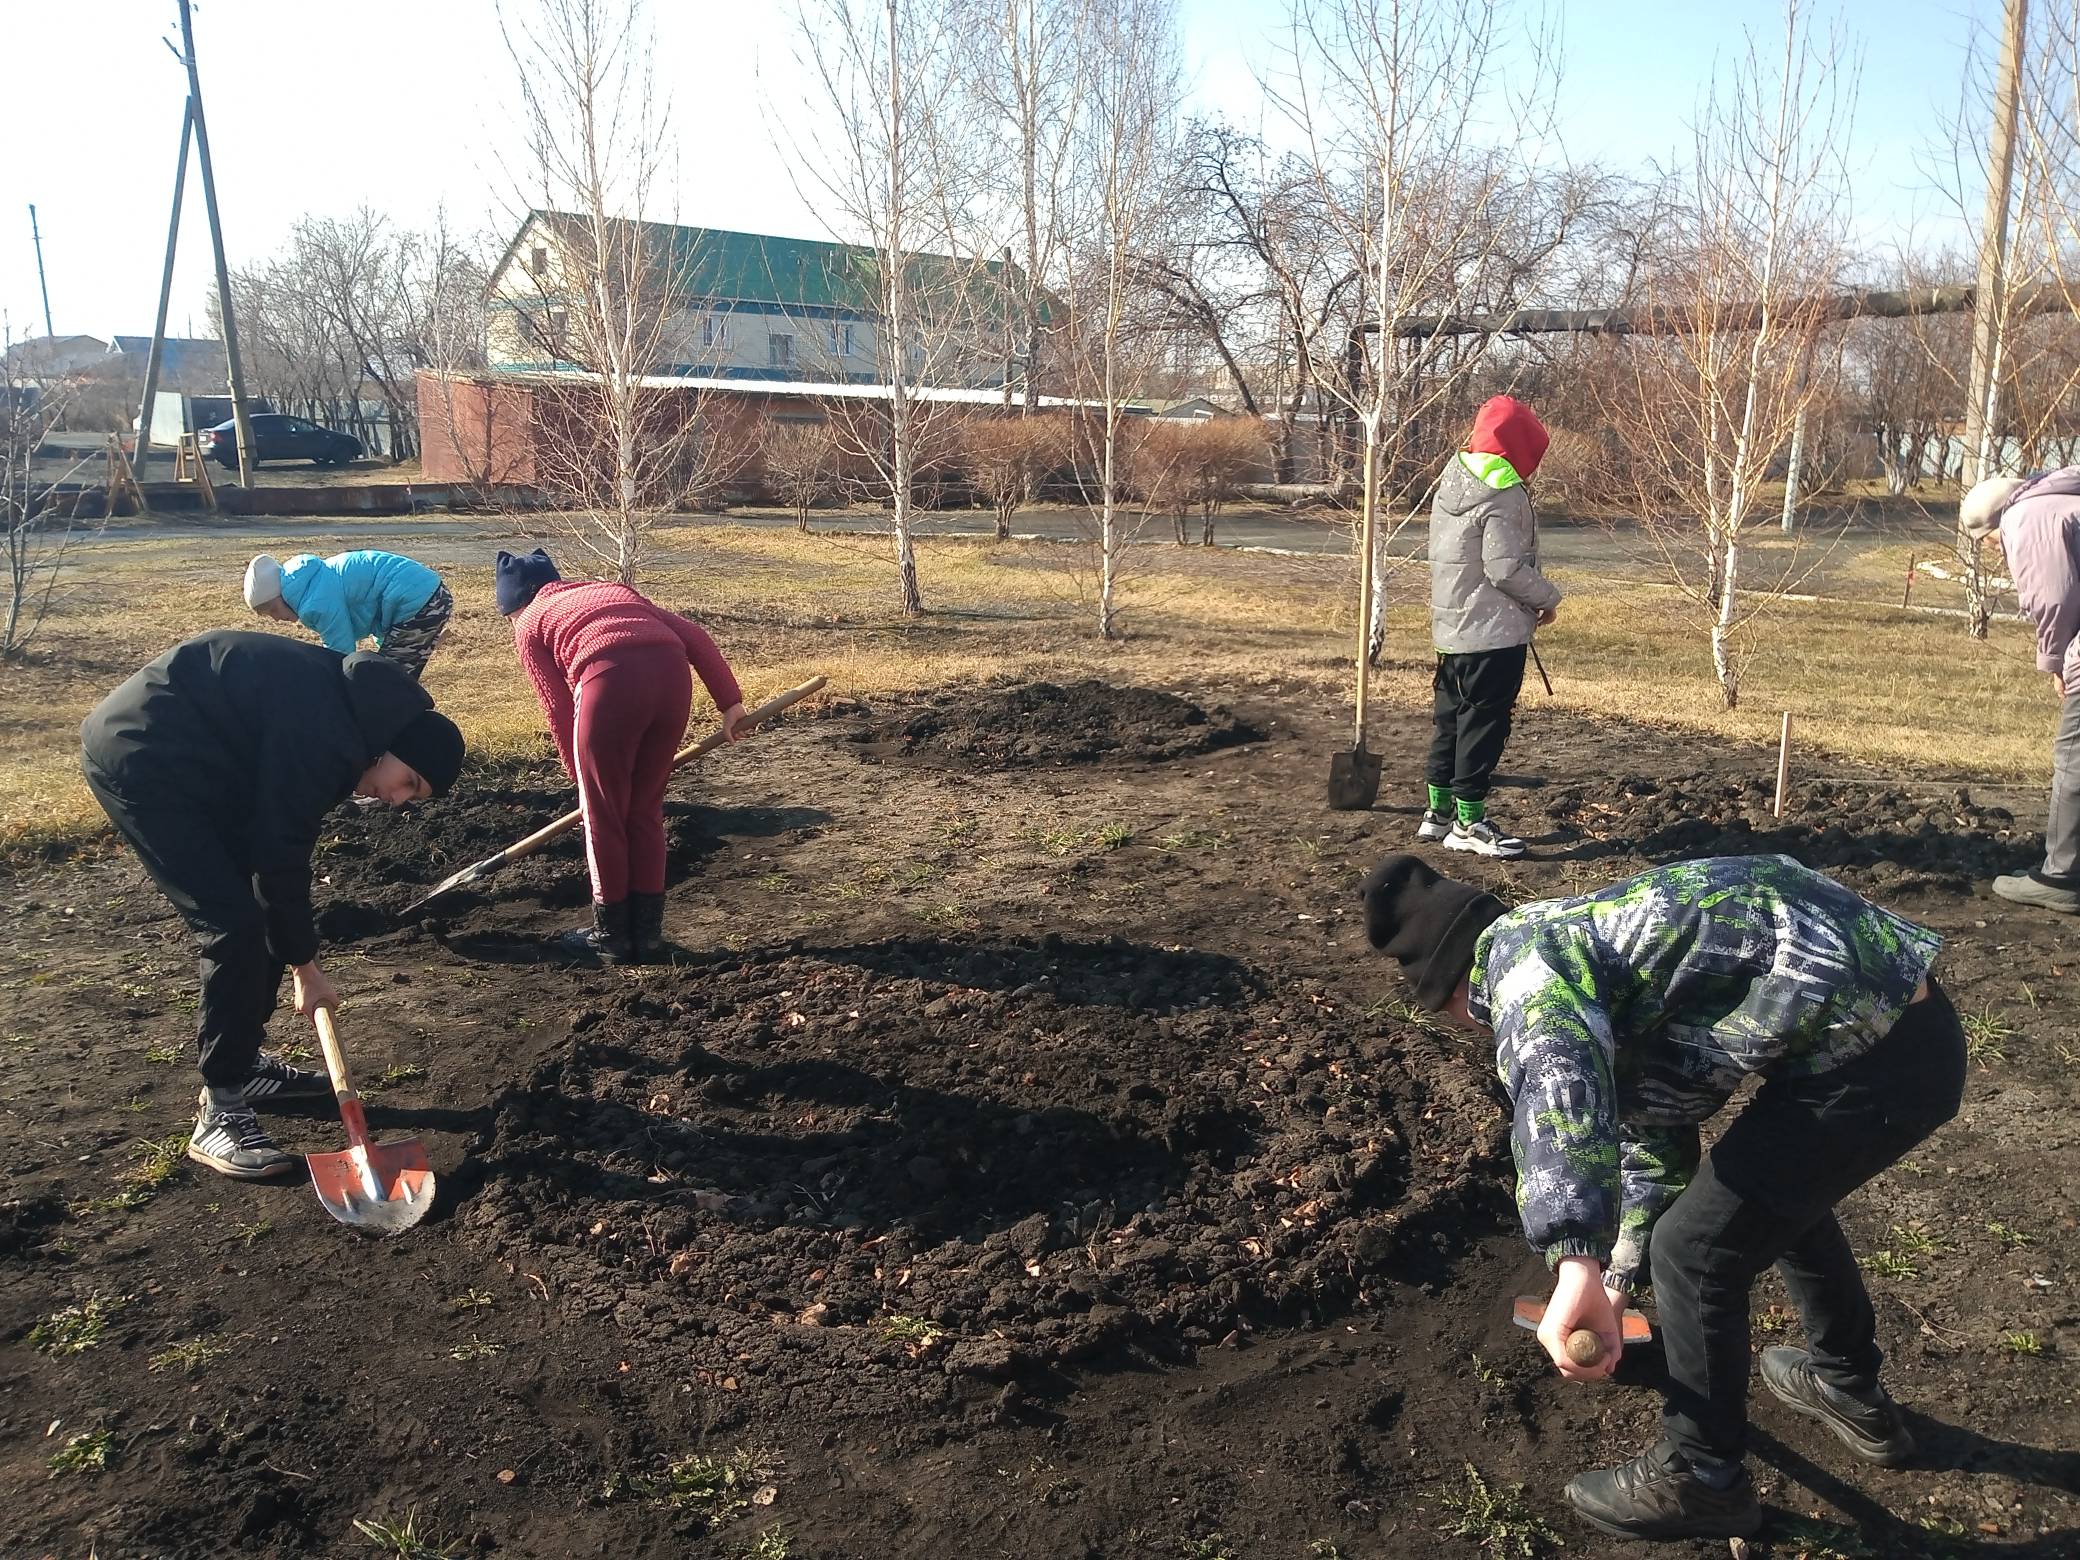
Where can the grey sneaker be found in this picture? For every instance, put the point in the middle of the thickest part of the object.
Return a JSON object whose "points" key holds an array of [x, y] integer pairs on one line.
{"points": [[1435, 825], [1483, 839], [1656, 1495], [231, 1141], [274, 1079], [2031, 888], [1872, 1429]]}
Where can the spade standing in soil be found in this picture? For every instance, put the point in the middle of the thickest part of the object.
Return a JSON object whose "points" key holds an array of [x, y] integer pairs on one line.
{"points": [[1622, 1019], [217, 762], [2039, 524], [1487, 598], [610, 668], [352, 596]]}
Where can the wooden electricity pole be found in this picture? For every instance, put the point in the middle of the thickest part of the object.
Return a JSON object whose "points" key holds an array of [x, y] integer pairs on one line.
{"points": [[216, 239], [158, 347], [1982, 405], [36, 235]]}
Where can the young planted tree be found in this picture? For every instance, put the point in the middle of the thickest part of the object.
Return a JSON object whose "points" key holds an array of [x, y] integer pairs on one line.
{"points": [[1220, 454], [1710, 406], [616, 452], [1154, 471], [801, 464], [36, 538], [1124, 152], [890, 169]]}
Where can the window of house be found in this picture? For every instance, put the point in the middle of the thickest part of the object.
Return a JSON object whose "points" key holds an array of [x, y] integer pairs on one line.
{"points": [[559, 330], [715, 332], [841, 339], [780, 351], [539, 264]]}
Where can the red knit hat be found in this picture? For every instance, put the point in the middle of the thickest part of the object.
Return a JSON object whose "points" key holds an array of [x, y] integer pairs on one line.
{"points": [[1507, 427]]}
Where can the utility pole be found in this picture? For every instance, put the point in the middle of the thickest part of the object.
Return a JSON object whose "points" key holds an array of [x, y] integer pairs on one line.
{"points": [[200, 125], [173, 234], [37, 235], [1989, 301]]}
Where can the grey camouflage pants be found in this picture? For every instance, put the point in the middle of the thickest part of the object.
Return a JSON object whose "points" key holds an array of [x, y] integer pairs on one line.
{"points": [[411, 643], [2062, 827]]}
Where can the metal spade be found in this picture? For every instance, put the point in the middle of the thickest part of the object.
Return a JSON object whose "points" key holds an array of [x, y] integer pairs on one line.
{"points": [[379, 1187]]}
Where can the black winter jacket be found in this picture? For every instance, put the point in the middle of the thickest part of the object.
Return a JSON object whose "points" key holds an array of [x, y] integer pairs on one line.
{"points": [[261, 735]]}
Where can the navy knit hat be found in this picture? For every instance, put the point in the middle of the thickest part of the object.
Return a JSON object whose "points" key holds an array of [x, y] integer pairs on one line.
{"points": [[520, 579], [1428, 922], [432, 747]]}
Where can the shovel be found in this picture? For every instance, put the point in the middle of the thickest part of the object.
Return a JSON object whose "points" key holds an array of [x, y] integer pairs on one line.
{"points": [[1354, 776], [379, 1187], [476, 872]]}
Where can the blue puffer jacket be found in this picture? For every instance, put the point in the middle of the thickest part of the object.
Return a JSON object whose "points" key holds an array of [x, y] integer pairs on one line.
{"points": [[351, 596]]}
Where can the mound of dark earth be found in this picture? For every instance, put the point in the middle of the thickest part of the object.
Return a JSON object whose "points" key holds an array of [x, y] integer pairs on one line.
{"points": [[891, 1178], [1043, 723], [1883, 837]]}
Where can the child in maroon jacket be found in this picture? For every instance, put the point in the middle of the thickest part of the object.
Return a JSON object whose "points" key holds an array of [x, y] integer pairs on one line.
{"points": [[610, 668]]}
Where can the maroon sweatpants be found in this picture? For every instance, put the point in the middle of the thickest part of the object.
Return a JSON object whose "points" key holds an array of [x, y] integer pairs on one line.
{"points": [[631, 712]]}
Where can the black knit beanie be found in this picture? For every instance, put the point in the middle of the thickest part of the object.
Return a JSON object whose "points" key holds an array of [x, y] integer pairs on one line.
{"points": [[1427, 922], [521, 579], [433, 747]]}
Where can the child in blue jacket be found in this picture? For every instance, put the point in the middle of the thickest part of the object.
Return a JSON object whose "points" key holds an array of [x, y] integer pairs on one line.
{"points": [[353, 596]]}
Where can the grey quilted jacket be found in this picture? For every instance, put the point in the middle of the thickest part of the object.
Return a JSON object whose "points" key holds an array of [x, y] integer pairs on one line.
{"points": [[1485, 588]]}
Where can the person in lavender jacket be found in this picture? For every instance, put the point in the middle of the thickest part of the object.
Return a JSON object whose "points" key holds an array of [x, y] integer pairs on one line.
{"points": [[2038, 519]]}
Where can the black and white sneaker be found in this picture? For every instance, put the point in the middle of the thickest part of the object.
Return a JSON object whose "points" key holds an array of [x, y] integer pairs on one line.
{"points": [[1435, 825], [273, 1079], [231, 1141], [1483, 839]]}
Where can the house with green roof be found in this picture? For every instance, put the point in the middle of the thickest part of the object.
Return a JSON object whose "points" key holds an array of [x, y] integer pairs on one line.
{"points": [[750, 306]]}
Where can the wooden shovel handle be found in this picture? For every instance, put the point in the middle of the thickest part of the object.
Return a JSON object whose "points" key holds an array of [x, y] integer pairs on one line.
{"points": [[685, 756], [342, 1088]]}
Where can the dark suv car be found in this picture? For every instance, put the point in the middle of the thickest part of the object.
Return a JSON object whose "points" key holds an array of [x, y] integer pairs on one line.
{"points": [[278, 436]]}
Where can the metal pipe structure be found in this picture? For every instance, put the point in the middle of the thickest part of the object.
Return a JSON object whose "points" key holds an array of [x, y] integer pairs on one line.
{"points": [[158, 347]]}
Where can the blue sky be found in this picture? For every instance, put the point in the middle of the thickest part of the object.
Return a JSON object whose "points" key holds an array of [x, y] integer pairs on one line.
{"points": [[405, 104]]}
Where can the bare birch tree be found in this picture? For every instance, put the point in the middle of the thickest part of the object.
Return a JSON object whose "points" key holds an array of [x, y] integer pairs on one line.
{"points": [[1710, 406], [800, 460], [1413, 144], [618, 450], [887, 164], [1124, 151], [36, 537]]}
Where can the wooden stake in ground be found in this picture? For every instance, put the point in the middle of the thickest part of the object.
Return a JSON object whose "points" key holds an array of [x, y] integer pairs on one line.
{"points": [[1783, 762]]}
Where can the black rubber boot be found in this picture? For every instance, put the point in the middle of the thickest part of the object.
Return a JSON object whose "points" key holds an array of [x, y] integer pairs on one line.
{"points": [[646, 929], [1657, 1496], [606, 940]]}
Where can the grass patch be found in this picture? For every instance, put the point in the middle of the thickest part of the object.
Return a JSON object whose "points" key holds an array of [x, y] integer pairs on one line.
{"points": [[396, 1074], [189, 1357], [712, 1489], [1986, 1036], [1914, 1240], [165, 1054], [2022, 1342], [772, 1544], [250, 1230], [1214, 1546], [406, 1540], [476, 1349], [1889, 1264], [917, 1335], [1499, 1521], [86, 1453], [472, 1300], [2009, 1239], [77, 1328]]}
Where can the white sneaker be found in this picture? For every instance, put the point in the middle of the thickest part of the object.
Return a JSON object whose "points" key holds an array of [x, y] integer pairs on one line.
{"points": [[1483, 839], [1435, 825]]}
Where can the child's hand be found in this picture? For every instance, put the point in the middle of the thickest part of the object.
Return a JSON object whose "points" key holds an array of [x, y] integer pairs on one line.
{"points": [[1580, 1300], [732, 722]]}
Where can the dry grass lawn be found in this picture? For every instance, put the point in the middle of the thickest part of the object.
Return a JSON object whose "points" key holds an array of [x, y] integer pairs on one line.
{"points": [[1868, 681]]}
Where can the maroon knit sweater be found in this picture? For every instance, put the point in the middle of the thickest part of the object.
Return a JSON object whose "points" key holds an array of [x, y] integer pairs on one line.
{"points": [[571, 625]]}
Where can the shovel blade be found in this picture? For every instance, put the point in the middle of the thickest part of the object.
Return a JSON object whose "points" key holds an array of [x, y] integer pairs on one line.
{"points": [[384, 1188], [1528, 1311], [447, 885], [1353, 780]]}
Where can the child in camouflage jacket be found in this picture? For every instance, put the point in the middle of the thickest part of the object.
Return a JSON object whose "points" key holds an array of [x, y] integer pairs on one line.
{"points": [[1623, 1019]]}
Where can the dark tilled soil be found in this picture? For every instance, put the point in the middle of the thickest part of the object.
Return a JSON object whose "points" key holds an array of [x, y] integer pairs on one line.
{"points": [[1041, 723], [1028, 1161]]}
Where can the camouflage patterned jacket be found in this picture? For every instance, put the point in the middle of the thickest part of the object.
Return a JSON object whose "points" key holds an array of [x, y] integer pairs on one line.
{"points": [[1625, 1017]]}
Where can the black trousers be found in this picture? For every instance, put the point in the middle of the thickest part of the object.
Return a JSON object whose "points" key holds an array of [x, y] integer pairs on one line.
{"points": [[1473, 696], [1766, 1195], [186, 853]]}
